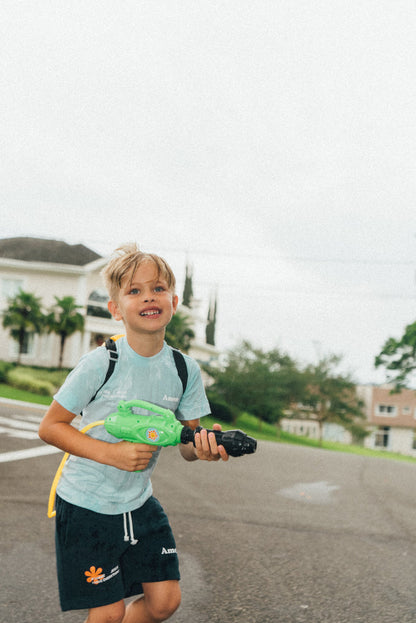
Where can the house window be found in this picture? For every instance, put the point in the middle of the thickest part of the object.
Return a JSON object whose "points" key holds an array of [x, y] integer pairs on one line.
{"points": [[414, 440], [386, 410], [382, 437], [406, 410], [28, 345], [97, 304]]}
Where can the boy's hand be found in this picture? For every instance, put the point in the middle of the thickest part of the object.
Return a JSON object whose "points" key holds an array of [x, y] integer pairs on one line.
{"points": [[131, 457], [206, 447]]}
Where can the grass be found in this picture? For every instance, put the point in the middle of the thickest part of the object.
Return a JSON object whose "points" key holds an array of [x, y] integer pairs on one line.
{"points": [[248, 423], [7, 391]]}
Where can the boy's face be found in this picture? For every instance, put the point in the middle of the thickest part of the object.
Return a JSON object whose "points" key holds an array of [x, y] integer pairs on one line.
{"points": [[145, 303]]}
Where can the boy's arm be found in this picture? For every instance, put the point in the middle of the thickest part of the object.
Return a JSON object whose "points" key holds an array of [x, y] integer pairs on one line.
{"points": [[205, 448], [55, 429]]}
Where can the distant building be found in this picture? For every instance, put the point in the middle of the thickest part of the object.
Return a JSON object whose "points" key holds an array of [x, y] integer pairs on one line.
{"points": [[309, 427], [391, 418]]}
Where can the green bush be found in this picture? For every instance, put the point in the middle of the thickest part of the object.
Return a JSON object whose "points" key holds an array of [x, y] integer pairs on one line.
{"points": [[220, 410], [51, 375], [5, 368], [23, 380]]}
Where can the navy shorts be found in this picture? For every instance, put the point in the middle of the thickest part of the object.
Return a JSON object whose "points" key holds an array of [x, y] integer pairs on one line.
{"points": [[98, 560]]}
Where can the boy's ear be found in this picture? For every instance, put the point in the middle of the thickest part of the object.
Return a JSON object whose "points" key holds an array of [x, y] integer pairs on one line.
{"points": [[114, 310], [175, 302]]}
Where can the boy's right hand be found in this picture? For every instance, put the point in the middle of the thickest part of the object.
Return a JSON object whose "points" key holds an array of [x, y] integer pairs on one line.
{"points": [[130, 457], [55, 428]]}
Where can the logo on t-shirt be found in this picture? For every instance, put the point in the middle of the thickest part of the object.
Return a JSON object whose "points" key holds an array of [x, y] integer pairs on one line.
{"points": [[174, 399]]}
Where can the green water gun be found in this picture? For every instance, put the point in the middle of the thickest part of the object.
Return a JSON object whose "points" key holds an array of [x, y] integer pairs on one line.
{"points": [[161, 429]]}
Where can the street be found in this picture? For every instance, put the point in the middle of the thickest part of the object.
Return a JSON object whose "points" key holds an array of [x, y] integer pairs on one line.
{"points": [[289, 534]]}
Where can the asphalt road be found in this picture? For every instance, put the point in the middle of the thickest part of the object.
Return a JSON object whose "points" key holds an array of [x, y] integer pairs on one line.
{"points": [[289, 534]]}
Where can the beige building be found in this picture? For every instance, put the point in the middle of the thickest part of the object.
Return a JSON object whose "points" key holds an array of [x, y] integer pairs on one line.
{"points": [[49, 268], [391, 418]]}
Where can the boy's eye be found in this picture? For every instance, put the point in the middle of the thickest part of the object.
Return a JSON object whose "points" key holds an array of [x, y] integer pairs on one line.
{"points": [[159, 289], [134, 291]]}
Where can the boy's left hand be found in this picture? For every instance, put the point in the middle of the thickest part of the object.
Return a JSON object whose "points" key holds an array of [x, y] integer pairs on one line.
{"points": [[206, 447]]}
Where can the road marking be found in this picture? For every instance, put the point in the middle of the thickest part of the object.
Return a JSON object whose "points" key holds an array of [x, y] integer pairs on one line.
{"points": [[310, 492], [30, 453], [29, 418], [19, 434], [16, 423]]}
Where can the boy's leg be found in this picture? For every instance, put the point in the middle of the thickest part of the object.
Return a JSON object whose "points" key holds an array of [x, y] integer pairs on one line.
{"points": [[159, 602], [113, 613]]}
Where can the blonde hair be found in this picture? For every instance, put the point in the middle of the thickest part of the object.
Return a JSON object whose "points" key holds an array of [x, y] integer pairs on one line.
{"points": [[124, 263]]}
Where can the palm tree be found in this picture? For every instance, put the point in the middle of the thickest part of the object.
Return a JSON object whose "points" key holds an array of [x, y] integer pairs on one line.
{"points": [[23, 317], [179, 333], [64, 320]]}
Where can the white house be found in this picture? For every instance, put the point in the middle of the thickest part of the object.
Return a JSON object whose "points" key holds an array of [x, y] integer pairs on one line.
{"points": [[309, 427], [49, 268]]}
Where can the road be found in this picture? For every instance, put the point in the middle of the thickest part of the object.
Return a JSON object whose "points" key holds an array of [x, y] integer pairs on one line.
{"points": [[289, 534]]}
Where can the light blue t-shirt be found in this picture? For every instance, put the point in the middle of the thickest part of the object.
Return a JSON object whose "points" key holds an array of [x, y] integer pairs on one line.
{"points": [[106, 489]]}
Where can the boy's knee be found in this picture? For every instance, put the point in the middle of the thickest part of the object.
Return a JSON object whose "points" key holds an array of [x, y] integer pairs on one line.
{"points": [[162, 609]]}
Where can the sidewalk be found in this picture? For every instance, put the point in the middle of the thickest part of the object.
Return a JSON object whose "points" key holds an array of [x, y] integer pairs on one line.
{"points": [[21, 403]]}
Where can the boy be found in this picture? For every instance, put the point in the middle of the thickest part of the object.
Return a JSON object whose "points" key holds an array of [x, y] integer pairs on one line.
{"points": [[113, 539]]}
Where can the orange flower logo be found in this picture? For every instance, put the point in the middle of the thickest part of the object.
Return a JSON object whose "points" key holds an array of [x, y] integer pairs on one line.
{"points": [[152, 434], [94, 575]]}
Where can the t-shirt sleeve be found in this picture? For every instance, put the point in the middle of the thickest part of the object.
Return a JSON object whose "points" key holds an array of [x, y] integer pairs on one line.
{"points": [[83, 381], [194, 402]]}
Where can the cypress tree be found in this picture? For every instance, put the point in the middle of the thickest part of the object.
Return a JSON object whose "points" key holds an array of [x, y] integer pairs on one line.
{"points": [[188, 292], [211, 321]]}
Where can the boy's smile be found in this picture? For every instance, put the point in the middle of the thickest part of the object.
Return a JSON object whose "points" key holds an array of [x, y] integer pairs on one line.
{"points": [[145, 303], [150, 312]]}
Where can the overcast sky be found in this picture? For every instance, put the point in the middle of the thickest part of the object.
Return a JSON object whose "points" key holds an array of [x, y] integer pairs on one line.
{"points": [[272, 144]]}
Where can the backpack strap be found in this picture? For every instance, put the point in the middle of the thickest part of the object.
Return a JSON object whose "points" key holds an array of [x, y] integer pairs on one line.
{"points": [[180, 366], [111, 346]]}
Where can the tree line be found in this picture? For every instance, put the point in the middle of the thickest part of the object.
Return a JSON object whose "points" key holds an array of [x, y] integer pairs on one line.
{"points": [[267, 384], [272, 385]]}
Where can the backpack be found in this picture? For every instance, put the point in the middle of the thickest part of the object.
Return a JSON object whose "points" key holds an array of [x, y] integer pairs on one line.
{"points": [[111, 347]]}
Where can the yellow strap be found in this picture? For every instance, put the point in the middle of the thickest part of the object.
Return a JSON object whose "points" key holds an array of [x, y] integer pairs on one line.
{"points": [[117, 337], [52, 494]]}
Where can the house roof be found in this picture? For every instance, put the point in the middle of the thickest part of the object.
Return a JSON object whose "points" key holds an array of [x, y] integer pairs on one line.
{"points": [[44, 250]]}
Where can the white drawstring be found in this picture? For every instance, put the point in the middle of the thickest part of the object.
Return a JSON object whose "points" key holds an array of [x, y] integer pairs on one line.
{"points": [[132, 539]]}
